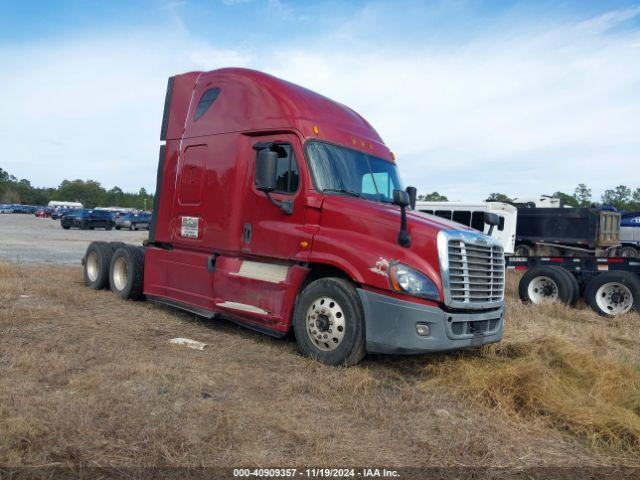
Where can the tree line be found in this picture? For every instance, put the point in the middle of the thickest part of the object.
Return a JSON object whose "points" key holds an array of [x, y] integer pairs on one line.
{"points": [[620, 197], [89, 192]]}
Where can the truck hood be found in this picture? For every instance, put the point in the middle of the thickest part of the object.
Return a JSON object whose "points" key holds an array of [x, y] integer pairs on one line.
{"points": [[360, 237]]}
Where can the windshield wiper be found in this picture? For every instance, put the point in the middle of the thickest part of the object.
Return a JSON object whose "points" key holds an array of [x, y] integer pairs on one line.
{"points": [[342, 190]]}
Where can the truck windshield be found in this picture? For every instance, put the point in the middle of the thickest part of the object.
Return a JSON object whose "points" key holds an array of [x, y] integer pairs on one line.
{"points": [[342, 170]]}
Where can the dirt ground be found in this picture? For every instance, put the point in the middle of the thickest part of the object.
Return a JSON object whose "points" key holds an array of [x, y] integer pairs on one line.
{"points": [[90, 380], [27, 239]]}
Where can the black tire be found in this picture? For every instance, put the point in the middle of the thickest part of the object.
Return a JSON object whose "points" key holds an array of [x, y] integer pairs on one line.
{"points": [[66, 227], [524, 250], [126, 272], [629, 251], [573, 281], [351, 348], [548, 251], [109, 227], [118, 228], [628, 280], [559, 285], [84, 226], [96, 265]]}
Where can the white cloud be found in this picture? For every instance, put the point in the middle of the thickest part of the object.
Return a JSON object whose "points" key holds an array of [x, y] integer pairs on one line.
{"points": [[517, 111]]}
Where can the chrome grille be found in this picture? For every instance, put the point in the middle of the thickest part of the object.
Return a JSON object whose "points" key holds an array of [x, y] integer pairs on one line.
{"points": [[475, 272]]}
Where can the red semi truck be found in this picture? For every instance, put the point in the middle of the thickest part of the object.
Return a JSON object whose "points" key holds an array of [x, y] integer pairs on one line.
{"points": [[280, 209]]}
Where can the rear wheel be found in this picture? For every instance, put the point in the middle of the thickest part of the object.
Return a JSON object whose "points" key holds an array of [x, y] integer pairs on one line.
{"points": [[613, 293], [524, 250], [127, 271], [629, 251], [329, 322], [573, 282], [545, 284], [97, 261]]}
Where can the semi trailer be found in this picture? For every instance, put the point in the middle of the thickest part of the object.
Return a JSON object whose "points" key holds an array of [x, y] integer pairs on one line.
{"points": [[282, 210], [609, 285]]}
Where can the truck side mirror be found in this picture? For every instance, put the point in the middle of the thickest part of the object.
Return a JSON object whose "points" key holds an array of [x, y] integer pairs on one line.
{"points": [[266, 165], [413, 196], [401, 198], [492, 220], [266, 169]]}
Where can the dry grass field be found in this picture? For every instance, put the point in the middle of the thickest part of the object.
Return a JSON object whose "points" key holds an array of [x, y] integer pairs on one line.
{"points": [[89, 380]]}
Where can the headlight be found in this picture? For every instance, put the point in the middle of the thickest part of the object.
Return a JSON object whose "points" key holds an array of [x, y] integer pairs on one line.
{"points": [[404, 279]]}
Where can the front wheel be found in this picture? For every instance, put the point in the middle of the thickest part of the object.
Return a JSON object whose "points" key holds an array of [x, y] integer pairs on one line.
{"points": [[329, 322]]}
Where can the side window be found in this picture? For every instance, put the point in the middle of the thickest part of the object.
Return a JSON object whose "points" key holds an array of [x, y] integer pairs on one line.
{"points": [[430, 212], [462, 217], [287, 175], [377, 183], [477, 221], [206, 100], [444, 214], [501, 223]]}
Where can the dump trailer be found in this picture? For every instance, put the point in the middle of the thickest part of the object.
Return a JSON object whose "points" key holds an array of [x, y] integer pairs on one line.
{"points": [[567, 231], [282, 210]]}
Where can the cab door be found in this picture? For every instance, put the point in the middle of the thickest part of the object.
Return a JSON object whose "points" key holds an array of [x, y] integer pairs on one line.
{"points": [[267, 231]]}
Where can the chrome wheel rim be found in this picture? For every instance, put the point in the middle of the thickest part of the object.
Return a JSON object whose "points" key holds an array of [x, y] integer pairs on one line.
{"points": [[120, 273], [614, 298], [92, 266], [325, 323], [542, 290]]}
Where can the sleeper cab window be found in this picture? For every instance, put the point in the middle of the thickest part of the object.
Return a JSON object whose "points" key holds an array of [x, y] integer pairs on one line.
{"points": [[287, 175], [206, 100]]}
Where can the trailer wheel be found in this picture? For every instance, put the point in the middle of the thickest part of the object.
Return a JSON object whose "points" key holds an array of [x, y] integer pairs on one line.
{"points": [[613, 293], [545, 284], [127, 271], [329, 322], [97, 261], [524, 250], [629, 251], [573, 281]]}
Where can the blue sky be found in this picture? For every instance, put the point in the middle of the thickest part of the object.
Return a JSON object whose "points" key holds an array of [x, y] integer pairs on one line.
{"points": [[473, 97]]}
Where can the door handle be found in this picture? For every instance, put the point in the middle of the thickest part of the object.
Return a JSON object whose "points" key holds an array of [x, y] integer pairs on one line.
{"points": [[246, 233], [211, 262]]}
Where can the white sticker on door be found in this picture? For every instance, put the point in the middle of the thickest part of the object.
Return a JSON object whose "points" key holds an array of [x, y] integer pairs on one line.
{"points": [[189, 227]]}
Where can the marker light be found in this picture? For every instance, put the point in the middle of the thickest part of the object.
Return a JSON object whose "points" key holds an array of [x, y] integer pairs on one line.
{"points": [[315, 129]]}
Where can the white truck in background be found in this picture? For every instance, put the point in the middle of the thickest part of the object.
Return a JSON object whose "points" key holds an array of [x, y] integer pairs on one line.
{"points": [[542, 201], [472, 215]]}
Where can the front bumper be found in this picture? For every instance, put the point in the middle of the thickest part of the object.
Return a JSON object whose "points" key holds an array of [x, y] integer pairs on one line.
{"points": [[390, 326]]}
